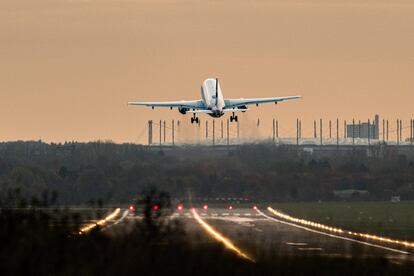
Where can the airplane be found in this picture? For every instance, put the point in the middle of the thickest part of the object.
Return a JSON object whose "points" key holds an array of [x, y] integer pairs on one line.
{"points": [[213, 103]]}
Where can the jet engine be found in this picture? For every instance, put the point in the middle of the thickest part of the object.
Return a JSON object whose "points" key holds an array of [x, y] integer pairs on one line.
{"points": [[183, 110], [243, 107]]}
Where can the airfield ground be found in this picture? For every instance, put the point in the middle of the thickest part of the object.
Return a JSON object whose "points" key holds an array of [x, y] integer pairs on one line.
{"points": [[207, 240], [382, 218], [263, 236]]}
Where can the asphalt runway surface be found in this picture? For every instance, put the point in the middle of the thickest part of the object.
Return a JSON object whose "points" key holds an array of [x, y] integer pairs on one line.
{"points": [[257, 233]]}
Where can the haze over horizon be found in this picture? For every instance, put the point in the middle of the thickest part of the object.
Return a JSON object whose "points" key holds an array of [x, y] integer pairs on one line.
{"points": [[68, 68]]}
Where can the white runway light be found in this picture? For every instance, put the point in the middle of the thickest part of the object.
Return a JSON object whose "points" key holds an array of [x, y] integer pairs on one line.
{"points": [[101, 222], [339, 230], [332, 235], [216, 235]]}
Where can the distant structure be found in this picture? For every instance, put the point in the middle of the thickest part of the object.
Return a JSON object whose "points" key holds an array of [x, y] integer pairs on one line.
{"points": [[368, 129], [395, 199]]}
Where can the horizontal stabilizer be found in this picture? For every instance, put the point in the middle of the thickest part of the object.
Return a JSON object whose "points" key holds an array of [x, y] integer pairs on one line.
{"points": [[235, 110], [206, 111]]}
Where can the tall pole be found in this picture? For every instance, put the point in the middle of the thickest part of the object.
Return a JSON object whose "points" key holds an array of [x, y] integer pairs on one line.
{"points": [[369, 132], [374, 127], [353, 131], [238, 130], [206, 129], [297, 132], [164, 131], [222, 134], [398, 131], [300, 129], [344, 129], [412, 131], [277, 129], [149, 132], [337, 132], [401, 139], [320, 126], [359, 129], [160, 132], [178, 129], [330, 129], [314, 129], [273, 129], [172, 132], [387, 130], [383, 130], [228, 132]]}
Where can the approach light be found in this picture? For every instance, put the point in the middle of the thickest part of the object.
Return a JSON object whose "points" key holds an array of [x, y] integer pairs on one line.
{"points": [[131, 208], [205, 207], [230, 207], [180, 207], [155, 207]]}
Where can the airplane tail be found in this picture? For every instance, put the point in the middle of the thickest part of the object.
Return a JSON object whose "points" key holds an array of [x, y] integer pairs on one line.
{"points": [[217, 91]]}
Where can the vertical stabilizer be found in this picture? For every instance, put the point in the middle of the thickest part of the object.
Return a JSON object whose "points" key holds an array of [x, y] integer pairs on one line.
{"points": [[217, 81]]}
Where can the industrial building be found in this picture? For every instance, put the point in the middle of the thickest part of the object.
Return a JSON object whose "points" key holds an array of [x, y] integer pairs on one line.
{"points": [[365, 130]]}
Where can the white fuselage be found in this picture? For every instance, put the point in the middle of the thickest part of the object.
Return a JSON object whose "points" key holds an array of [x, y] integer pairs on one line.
{"points": [[208, 95]]}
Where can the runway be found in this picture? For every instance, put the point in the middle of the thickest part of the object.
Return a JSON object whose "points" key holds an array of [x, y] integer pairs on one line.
{"points": [[254, 233], [258, 233]]}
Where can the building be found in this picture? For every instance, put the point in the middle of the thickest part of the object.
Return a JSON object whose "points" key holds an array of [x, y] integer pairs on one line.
{"points": [[364, 129]]}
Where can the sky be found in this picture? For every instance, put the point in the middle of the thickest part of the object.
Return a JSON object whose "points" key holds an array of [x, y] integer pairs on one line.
{"points": [[68, 67]]}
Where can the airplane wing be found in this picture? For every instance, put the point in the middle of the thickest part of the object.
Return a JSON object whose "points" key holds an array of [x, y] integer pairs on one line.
{"points": [[183, 104], [234, 103]]}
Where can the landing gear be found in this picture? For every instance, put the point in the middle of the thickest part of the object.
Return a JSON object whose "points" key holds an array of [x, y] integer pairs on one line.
{"points": [[233, 118], [195, 120]]}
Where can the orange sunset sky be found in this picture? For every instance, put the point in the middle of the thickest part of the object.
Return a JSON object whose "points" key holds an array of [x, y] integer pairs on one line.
{"points": [[68, 67]]}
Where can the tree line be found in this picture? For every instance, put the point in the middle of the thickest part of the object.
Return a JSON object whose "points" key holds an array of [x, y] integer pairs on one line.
{"points": [[33, 173]]}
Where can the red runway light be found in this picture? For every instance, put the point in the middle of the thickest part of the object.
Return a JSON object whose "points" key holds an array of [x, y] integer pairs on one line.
{"points": [[155, 207], [254, 207], [205, 207], [180, 207], [230, 207], [131, 208]]}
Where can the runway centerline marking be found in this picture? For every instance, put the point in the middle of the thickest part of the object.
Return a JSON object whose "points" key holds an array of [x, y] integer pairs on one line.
{"points": [[332, 235], [297, 243], [309, 248], [219, 237]]}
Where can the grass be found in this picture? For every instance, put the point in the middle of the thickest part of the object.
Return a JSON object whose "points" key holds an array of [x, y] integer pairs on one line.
{"points": [[395, 220]]}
